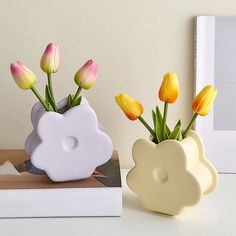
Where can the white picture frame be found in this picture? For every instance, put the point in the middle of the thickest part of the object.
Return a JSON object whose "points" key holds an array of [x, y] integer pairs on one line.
{"points": [[213, 38]]}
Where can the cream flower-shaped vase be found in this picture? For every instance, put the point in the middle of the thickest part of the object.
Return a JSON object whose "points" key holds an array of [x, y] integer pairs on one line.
{"points": [[171, 175], [67, 146]]}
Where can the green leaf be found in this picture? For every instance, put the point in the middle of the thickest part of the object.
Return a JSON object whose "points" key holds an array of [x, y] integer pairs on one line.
{"points": [[167, 134], [159, 121], [175, 133], [69, 102], [168, 131], [178, 123], [180, 134], [159, 116], [154, 119], [158, 125], [48, 97], [49, 107], [77, 101], [155, 125], [180, 137]]}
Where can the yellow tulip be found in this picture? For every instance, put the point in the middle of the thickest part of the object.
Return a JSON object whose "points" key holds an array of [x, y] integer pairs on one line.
{"points": [[202, 103], [169, 89], [132, 108]]}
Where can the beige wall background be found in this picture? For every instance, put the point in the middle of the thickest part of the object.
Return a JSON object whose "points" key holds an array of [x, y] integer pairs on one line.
{"points": [[135, 43]]}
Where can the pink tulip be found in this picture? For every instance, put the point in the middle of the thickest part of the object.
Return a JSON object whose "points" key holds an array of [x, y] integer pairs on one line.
{"points": [[23, 76], [50, 60], [85, 77]]}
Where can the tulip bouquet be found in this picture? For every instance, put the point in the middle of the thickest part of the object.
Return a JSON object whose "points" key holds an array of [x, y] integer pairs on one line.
{"points": [[168, 93], [58, 127], [85, 77], [171, 175]]}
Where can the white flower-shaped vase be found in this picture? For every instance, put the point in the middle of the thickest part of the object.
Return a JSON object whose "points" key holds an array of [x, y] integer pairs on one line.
{"points": [[171, 175], [67, 146]]}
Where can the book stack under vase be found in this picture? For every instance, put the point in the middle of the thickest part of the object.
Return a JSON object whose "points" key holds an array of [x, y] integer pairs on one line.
{"points": [[26, 192]]}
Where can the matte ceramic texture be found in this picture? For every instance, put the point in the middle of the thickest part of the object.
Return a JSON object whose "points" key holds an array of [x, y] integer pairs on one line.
{"points": [[171, 175], [37, 111], [67, 146]]}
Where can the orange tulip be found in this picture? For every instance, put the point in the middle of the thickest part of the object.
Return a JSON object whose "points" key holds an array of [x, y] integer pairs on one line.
{"points": [[202, 103], [132, 108], [169, 89]]}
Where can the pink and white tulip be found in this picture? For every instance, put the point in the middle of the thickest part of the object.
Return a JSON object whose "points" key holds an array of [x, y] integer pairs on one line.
{"points": [[50, 60], [22, 75], [85, 77]]}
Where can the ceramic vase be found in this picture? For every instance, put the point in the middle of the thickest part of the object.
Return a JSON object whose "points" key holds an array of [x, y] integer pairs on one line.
{"points": [[67, 145], [171, 175]]}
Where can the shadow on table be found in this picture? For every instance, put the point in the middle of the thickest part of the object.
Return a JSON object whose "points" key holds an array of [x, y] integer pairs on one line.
{"points": [[132, 202]]}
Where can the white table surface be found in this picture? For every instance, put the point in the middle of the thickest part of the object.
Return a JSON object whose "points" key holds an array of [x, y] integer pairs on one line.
{"points": [[214, 215]]}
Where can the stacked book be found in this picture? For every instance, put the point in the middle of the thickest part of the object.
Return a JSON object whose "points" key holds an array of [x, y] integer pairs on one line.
{"points": [[25, 192]]}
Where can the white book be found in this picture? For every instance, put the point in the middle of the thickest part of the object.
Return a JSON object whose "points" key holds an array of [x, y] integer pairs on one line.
{"points": [[215, 63], [26, 194]]}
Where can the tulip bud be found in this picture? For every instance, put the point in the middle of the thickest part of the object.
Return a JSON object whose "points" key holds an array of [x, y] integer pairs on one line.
{"points": [[169, 89], [132, 108], [23, 76], [203, 101], [50, 60], [85, 77]]}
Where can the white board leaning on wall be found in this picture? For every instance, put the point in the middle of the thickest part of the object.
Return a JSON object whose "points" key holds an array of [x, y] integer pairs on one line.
{"points": [[215, 63]]}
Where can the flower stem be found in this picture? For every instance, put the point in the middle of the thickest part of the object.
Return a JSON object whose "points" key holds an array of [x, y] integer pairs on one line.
{"points": [[39, 98], [76, 95], [190, 125], [148, 127], [164, 121], [51, 90]]}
